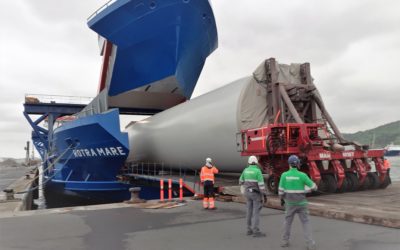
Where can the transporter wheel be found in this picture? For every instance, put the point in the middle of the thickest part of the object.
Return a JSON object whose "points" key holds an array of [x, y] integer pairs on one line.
{"points": [[374, 180], [327, 184], [330, 182], [367, 183], [322, 186], [272, 186], [387, 181], [352, 182], [343, 188]]}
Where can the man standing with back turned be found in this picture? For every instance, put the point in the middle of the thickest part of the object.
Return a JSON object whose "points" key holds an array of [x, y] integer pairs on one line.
{"points": [[254, 191], [207, 179], [292, 192]]}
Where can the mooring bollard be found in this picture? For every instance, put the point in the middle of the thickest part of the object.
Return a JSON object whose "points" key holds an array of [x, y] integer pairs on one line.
{"points": [[135, 195], [162, 190], [9, 194], [169, 189]]}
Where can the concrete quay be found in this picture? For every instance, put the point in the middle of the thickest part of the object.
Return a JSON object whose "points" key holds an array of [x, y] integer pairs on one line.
{"points": [[127, 226], [375, 207], [23, 201]]}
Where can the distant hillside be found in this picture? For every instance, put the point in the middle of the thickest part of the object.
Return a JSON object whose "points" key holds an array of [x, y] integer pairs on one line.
{"points": [[384, 135], [10, 162]]}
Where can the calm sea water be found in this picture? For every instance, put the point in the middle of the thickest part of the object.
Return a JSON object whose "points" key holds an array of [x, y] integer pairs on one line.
{"points": [[395, 168]]}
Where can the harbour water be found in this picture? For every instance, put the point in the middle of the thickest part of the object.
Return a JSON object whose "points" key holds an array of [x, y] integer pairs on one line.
{"points": [[395, 168]]}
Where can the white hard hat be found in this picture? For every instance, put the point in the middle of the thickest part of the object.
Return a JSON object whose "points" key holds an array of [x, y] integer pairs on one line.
{"points": [[208, 160], [253, 160]]}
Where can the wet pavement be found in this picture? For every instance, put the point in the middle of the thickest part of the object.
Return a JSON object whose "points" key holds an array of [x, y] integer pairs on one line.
{"points": [[9, 174], [120, 226]]}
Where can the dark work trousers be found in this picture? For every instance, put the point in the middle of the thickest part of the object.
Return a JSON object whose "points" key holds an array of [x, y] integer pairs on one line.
{"points": [[302, 211], [254, 205], [208, 189]]}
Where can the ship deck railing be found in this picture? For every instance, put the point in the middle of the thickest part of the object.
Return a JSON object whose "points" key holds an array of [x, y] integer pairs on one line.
{"points": [[37, 104], [51, 99], [104, 6]]}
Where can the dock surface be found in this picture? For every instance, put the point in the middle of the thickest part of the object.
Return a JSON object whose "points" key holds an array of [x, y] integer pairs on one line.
{"points": [[376, 207], [121, 226], [8, 175], [16, 179]]}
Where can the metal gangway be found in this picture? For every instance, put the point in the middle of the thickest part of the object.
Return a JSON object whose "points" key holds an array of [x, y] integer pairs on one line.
{"points": [[49, 108]]}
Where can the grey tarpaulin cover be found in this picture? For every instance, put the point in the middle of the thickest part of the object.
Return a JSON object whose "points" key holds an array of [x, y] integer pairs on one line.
{"points": [[252, 104]]}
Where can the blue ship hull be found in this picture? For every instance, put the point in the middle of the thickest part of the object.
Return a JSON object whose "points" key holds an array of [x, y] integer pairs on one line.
{"points": [[392, 153], [88, 154], [156, 40], [392, 150], [153, 53], [58, 195]]}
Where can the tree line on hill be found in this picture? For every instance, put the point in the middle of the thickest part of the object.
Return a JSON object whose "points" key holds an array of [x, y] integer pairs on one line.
{"points": [[378, 137]]}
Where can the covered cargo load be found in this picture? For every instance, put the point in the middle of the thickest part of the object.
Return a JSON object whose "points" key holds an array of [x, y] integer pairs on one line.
{"points": [[206, 126]]}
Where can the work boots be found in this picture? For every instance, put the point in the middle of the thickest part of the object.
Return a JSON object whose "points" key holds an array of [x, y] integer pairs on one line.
{"points": [[259, 234], [285, 244], [311, 246]]}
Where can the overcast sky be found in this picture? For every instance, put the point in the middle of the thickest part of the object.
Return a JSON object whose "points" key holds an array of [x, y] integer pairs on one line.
{"points": [[353, 47]]}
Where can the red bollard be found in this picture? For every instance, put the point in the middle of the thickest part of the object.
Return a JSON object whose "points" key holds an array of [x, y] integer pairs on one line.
{"points": [[180, 189], [162, 190], [169, 189]]}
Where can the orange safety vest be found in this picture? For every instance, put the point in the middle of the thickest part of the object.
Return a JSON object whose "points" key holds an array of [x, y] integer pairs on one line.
{"points": [[386, 163], [207, 174]]}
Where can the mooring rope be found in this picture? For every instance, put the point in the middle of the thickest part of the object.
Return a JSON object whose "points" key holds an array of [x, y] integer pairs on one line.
{"points": [[51, 165]]}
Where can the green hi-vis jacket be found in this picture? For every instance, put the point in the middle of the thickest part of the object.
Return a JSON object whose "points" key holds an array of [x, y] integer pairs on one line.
{"points": [[252, 178], [293, 187]]}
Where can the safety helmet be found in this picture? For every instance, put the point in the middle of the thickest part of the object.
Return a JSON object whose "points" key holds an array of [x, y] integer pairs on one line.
{"points": [[208, 160], [294, 161], [252, 160]]}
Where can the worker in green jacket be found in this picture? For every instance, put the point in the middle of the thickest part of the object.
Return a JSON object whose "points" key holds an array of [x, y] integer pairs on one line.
{"points": [[252, 182], [293, 187]]}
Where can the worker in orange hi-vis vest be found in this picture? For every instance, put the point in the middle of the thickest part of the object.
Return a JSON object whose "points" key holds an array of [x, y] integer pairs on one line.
{"points": [[207, 179], [386, 163]]}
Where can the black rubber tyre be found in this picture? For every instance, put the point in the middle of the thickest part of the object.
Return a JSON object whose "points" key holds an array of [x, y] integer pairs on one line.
{"points": [[322, 186], [387, 181], [330, 182], [271, 185], [374, 180], [367, 183], [352, 182], [343, 188], [327, 184]]}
